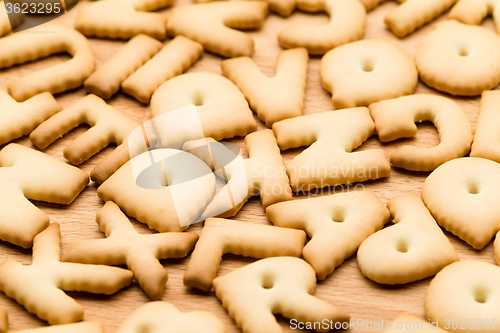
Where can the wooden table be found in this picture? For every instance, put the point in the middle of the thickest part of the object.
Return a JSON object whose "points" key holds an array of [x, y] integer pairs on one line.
{"points": [[346, 287]]}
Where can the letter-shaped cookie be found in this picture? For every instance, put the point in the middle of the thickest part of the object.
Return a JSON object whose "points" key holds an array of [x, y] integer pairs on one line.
{"points": [[475, 11], [367, 71], [221, 108], [332, 136], [213, 24], [254, 293], [347, 24], [411, 14], [26, 174], [412, 249], [459, 59], [106, 81], [83, 327], [397, 118], [337, 225], [486, 140], [272, 98], [177, 56], [108, 126], [19, 119], [263, 172], [405, 323], [462, 195], [221, 236], [41, 42], [46, 278], [465, 291], [124, 246], [123, 19], [166, 189], [163, 317]]}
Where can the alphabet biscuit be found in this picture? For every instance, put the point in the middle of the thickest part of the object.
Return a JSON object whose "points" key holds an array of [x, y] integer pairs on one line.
{"points": [[83, 327], [412, 249], [280, 7], [254, 293], [108, 126], [166, 189], [124, 246], [337, 225], [459, 59], [262, 173], [462, 196], [26, 174], [332, 136], [347, 24], [221, 109], [41, 42], [276, 98], [123, 19], [221, 236], [177, 56], [47, 277], [164, 317], [213, 25], [475, 11], [19, 119], [397, 118], [485, 143], [106, 81], [465, 291], [367, 71]]}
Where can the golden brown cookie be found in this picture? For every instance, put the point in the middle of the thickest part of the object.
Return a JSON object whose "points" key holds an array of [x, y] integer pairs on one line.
{"points": [[462, 195], [124, 246], [459, 59], [485, 143], [108, 126], [329, 161], [167, 189], [213, 25], [464, 296], [475, 11], [47, 277], [173, 59], [221, 110], [83, 327], [221, 236], [27, 174], [263, 172], [123, 19], [397, 118], [412, 249], [367, 71], [20, 119], [43, 41], [337, 225], [347, 24], [254, 293], [272, 98], [106, 81]]}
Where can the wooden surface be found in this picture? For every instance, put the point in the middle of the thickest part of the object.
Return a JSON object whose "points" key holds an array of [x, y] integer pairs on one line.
{"points": [[346, 287]]}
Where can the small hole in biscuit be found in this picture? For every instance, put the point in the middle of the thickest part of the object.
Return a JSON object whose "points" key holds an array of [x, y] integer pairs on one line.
{"points": [[267, 282], [463, 52], [368, 66], [480, 295], [338, 216], [198, 100], [473, 188], [402, 246]]}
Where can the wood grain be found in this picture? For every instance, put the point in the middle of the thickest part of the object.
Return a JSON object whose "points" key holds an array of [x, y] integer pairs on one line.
{"points": [[346, 287]]}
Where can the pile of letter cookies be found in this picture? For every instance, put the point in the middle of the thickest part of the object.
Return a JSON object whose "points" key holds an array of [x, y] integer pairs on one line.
{"points": [[306, 237]]}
